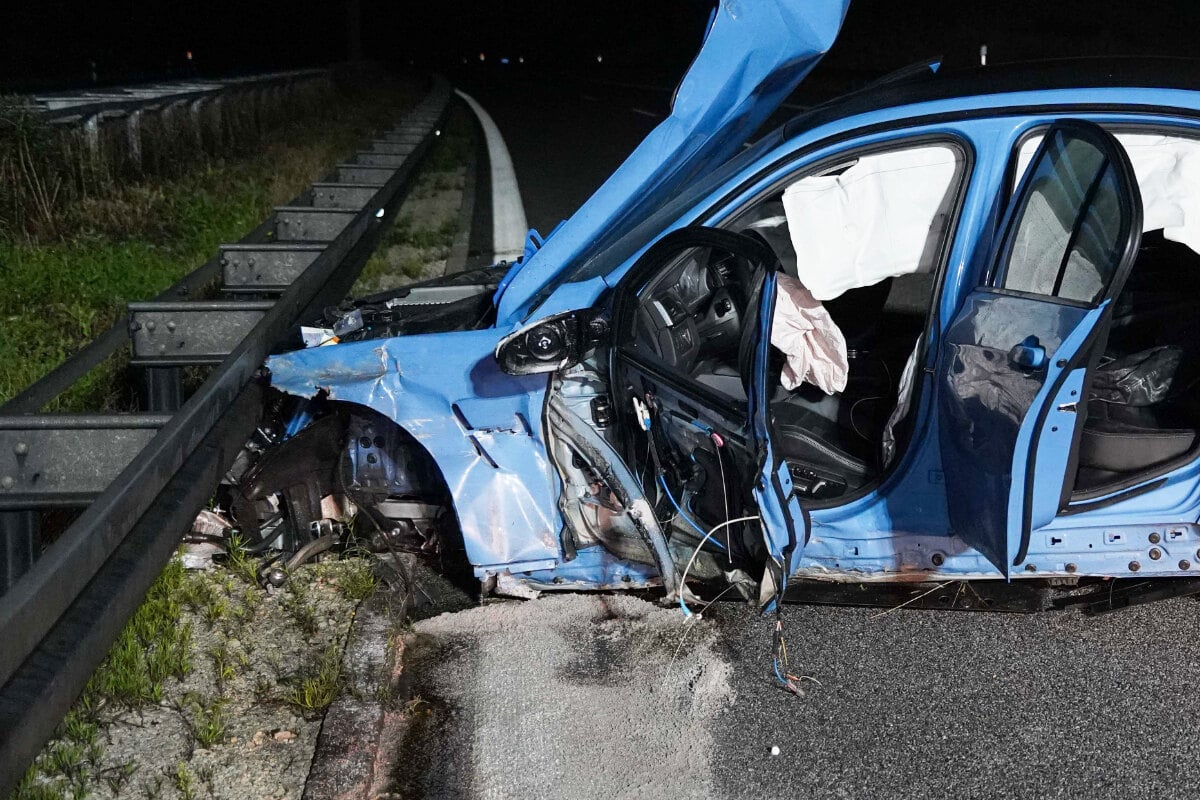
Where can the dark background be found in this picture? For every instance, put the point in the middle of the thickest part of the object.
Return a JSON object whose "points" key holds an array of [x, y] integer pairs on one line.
{"points": [[51, 44]]}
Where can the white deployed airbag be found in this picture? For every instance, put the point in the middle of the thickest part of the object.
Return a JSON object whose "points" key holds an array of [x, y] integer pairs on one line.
{"points": [[883, 216], [814, 346]]}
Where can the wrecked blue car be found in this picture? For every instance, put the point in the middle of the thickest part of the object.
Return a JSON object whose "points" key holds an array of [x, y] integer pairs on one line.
{"points": [[943, 330]]}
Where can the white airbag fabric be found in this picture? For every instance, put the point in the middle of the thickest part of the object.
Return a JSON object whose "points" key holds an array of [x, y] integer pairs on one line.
{"points": [[1168, 175], [813, 344], [884, 216]]}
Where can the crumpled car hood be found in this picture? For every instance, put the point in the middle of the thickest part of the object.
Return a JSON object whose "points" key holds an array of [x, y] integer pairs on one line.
{"points": [[754, 55]]}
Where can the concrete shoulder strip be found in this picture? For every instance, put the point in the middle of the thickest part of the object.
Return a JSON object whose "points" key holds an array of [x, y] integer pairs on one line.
{"points": [[508, 212]]}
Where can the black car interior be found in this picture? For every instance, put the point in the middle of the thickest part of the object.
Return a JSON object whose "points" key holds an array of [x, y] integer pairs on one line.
{"points": [[691, 318], [833, 442], [1142, 410]]}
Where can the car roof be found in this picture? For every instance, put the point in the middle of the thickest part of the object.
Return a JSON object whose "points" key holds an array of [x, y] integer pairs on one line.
{"points": [[907, 87], [918, 86]]}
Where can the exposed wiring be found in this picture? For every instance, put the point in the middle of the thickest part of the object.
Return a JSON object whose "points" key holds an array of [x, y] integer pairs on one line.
{"points": [[725, 494], [687, 612], [910, 600], [886, 392], [400, 568], [690, 622], [645, 463], [662, 481], [779, 658]]}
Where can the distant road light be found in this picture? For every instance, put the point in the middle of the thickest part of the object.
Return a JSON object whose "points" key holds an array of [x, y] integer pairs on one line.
{"points": [[520, 59], [504, 60], [599, 59], [482, 57]]}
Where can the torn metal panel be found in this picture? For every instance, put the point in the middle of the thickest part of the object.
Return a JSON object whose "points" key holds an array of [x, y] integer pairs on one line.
{"points": [[482, 427]]}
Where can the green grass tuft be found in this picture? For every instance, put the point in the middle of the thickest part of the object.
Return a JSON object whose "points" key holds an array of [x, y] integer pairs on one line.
{"points": [[185, 782], [297, 603], [155, 646], [356, 578], [205, 717], [316, 685]]}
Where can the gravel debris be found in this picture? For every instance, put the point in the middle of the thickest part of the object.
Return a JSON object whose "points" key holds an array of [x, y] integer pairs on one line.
{"points": [[236, 726], [526, 699]]}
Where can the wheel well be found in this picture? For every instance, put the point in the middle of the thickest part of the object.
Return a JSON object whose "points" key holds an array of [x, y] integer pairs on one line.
{"points": [[387, 461]]}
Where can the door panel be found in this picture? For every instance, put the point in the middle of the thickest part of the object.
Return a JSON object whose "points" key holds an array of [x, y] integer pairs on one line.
{"points": [[1052, 458], [1020, 342], [686, 325], [786, 525]]}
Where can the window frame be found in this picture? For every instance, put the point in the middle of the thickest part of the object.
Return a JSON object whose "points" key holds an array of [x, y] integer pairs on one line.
{"points": [[998, 270]]}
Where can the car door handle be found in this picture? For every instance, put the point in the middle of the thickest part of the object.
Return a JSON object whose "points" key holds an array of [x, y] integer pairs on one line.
{"points": [[1028, 355]]}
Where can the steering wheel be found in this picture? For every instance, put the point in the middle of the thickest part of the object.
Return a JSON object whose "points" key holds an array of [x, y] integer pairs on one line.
{"points": [[675, 331]]}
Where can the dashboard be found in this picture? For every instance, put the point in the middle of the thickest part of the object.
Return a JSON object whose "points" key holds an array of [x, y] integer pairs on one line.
{"points": [[690, 315]]}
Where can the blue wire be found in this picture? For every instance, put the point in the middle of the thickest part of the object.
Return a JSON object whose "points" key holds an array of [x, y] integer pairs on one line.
{"points": [[663, 483]]}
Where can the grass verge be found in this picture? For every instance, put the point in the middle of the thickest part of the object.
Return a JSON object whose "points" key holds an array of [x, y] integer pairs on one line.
{"points": [[64, 288], [135, 240]]}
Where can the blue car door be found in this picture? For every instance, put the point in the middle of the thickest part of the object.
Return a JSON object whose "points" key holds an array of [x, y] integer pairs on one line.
{"points": [[785, 523], [1012, 372], [691, 337]]}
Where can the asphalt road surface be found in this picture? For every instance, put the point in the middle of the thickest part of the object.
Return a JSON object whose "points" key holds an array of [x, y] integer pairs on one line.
{"points": [[589, 696], [581, 696], [565, 136]]}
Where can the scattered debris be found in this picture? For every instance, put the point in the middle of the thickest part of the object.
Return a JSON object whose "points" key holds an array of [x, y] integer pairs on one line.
{"points": [[525, 697]]}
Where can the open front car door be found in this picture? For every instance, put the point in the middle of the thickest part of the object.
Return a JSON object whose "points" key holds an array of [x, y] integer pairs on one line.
{"points": [[785, 524], [1012, 376]]}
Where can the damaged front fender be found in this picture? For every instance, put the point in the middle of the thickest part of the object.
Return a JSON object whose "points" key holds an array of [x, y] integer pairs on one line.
{"points": [[481, 426]]}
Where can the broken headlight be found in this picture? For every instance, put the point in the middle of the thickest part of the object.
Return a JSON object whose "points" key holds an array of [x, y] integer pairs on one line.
{"points": [[553, 343]]}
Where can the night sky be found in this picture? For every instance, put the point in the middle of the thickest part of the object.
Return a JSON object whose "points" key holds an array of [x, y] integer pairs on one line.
{"points": [[54, 43]]}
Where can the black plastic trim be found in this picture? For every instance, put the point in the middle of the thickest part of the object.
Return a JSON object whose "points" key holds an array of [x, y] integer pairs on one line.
{"points": [[1111, 499]]}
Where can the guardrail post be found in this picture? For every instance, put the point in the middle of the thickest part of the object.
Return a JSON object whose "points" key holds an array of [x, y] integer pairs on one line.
{"points": [[218, 120], [162, 389], [195, 109], [133, 135], [18, 545], [91, 135]]}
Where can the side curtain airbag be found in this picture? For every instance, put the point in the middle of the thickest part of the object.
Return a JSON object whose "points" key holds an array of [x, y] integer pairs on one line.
{"points": [[883, 216]]}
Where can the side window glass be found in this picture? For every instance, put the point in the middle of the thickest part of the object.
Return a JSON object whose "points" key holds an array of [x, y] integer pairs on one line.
{"points": [[1067, 240]]}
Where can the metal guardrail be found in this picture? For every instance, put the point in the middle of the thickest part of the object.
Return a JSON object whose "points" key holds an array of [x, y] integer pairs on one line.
{"points": [[128, 105], [145, 476], [77, 105]]}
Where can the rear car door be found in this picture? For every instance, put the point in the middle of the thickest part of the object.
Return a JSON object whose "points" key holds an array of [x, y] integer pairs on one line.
{"points": [[1012, 374]]}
